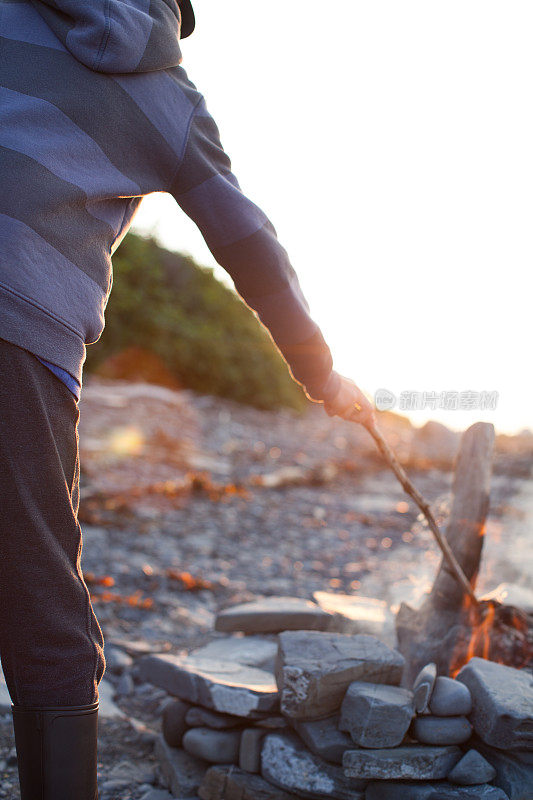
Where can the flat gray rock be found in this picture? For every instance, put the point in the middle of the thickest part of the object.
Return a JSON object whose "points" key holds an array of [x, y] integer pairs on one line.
{"points": [[355, 614], [232, 783], [198, 717], [414, 762], [273, 614], [138, 647], [423, 686], [472, 769], [216, 747], [130, 772], [482, 792], [502, 698], [157, 794], [450, 698], [173, 721], [287, 763], [442, 730], [182, 772], [314, 670], [324, 739], [405, 790], [376, 715], [111, 788], [250, 749], [254, 651], [513, 775], [223, 686]]}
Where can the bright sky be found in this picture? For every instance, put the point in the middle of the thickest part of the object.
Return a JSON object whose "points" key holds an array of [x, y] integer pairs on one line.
{"points": [[391, 146]]}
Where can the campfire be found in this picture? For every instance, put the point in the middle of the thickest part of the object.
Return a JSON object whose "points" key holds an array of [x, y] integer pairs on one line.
{"points": [[450, 628], [297, 698], [498, 632]]}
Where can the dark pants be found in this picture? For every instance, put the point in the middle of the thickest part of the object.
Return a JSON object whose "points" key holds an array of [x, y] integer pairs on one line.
{"points": [[51, 645]]}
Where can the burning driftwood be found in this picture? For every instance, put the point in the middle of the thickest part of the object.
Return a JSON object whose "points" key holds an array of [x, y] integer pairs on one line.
{"points": [[450, 627]]}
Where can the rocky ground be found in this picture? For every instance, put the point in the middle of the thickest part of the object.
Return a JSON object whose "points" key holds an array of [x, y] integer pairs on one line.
{"points": [[191, 503]]}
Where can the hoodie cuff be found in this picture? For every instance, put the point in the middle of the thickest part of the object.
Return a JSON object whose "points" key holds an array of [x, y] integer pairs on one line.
{"points": [[330, 389], [310, 363]]}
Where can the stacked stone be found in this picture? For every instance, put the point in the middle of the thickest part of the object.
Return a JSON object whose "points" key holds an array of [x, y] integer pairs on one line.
{"points": [[314, 672], [439, 725], [234, 703], [502, 718], [224, 700], [296, 709], [488, 711], [443, 705]]}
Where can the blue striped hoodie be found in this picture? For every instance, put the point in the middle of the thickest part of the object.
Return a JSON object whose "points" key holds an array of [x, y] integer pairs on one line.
{"points": [[95, 113]]}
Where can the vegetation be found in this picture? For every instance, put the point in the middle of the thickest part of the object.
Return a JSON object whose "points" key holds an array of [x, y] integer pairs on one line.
{"points": [[170, 321]]}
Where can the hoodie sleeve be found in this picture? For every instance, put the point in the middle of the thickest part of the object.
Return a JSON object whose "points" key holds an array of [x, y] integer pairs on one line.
{"points": [[243, 241]]}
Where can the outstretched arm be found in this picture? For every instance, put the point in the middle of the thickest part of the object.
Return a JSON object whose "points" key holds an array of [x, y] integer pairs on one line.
{"points": [[243, 241]]}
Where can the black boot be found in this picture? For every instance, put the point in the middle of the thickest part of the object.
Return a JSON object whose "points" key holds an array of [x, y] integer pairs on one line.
{"points": [[56, 752]]}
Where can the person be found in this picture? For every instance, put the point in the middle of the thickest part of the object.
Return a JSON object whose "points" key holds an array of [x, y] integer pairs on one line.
{"points": [[95, 113]]}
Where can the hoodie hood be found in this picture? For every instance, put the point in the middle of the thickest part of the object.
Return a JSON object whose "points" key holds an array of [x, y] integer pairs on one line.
{"points": [[117, 35]]}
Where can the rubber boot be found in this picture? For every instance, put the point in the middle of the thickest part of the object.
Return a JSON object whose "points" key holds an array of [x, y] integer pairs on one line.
{"points": [[57, 752]]}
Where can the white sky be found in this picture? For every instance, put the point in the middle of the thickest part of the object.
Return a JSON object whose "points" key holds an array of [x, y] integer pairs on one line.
{"points": [[392, 148]]}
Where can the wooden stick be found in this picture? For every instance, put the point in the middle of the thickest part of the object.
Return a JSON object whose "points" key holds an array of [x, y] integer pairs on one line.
{"points": [[389, 456]]}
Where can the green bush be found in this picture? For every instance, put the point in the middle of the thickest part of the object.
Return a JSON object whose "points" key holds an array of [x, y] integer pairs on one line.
{"points": [[171, 321]]}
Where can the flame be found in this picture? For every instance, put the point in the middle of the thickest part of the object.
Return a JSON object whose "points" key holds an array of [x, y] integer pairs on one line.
{"points": [[480, 640], [498, 633]]}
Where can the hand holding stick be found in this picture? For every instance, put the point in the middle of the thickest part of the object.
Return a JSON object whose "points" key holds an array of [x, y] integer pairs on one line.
{"points": [[351, 404]]}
